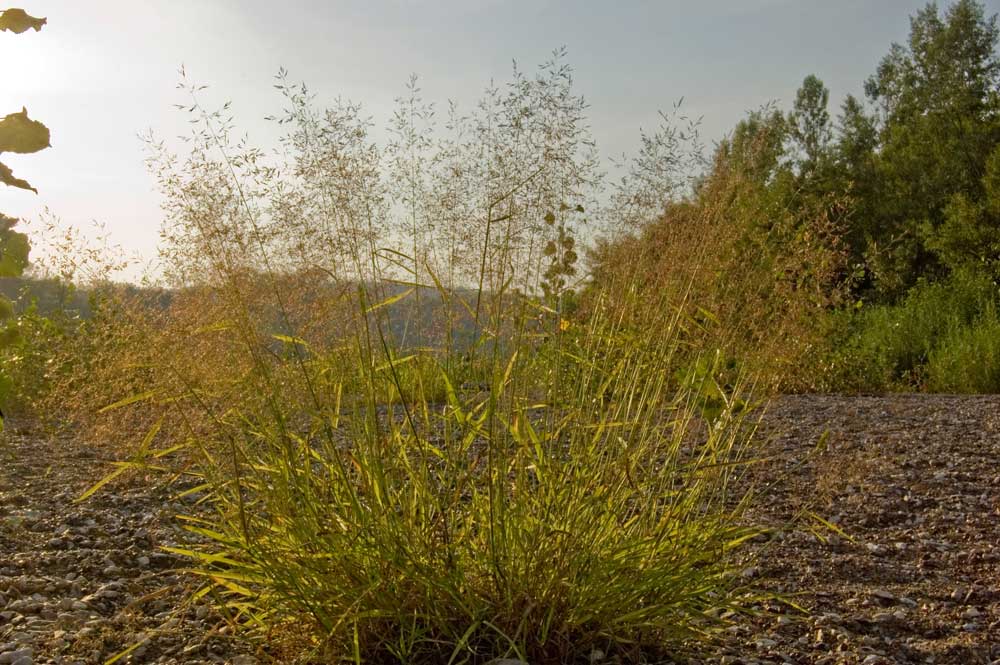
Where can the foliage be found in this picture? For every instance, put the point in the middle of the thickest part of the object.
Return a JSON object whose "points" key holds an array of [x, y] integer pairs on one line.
{"points": [[938, 123], [898, 195], [31, 342], [969, 237], [425, 433], [967, 359], [18, 134], [18, 21], [918, 343], [809, 122], [754, 258]]}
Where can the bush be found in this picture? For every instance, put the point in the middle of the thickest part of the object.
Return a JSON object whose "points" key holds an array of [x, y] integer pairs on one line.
{"points": [[891, 347], [967, 359]]}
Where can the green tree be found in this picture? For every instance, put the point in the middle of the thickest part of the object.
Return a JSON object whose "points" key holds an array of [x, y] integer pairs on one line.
{"points": [[756, 147], [855, 172], [969, 237], [938, 123]]}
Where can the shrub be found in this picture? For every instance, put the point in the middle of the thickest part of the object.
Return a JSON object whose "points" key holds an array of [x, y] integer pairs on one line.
{"points": [[967, 358], [888, 347]]}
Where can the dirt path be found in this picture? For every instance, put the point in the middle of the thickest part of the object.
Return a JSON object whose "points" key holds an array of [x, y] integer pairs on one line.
{"points": [[913, 481]]}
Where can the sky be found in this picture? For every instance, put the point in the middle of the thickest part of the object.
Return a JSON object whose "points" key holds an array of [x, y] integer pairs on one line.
{"points": [[103, 72]]}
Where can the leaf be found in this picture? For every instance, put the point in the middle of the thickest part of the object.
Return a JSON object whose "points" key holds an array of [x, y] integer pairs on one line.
{"points": [[389, 301], [18, 21], [14, 249], [287, 339], [395, 362], [9, 334], [7, 178], [101, 483], [829, 525], [121, 654], [131, 399], [19, 133], [218, 326], [453, 400], [148, 439]]}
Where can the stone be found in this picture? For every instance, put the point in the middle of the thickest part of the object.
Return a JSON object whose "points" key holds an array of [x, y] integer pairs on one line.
{"points": [[19, 656], [884, 597]]}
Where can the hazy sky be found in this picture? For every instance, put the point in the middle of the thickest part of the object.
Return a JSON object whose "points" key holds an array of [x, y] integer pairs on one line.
{"points": [[101, 72]]}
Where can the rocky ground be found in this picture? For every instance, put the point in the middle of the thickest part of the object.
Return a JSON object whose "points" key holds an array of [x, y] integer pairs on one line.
{"points": [[84, 582], [912, 483]]}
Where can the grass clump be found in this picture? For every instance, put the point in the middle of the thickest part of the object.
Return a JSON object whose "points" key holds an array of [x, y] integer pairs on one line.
{"points": [[417, 440], [543, 521]]}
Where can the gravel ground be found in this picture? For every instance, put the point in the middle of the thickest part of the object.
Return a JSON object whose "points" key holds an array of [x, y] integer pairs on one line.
{"points": [[912, 481], [82, 582]]}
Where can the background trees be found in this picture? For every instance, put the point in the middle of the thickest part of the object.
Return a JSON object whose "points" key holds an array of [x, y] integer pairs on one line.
{"points": [[899, 193], [936, 117]]}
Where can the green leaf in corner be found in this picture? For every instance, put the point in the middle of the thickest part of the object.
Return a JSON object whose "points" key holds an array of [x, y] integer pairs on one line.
{"points": [[14, 249]]}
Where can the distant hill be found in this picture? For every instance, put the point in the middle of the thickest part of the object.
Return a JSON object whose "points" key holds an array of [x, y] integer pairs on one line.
{"points": [[417, 320], [49, 295]]}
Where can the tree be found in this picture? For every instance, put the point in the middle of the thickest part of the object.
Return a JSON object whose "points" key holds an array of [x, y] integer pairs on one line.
{"points": [[809, 124], [756, 146], [969, 237], [855, 173]]}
